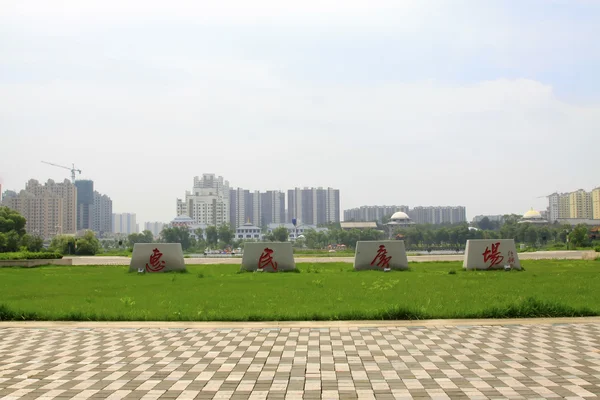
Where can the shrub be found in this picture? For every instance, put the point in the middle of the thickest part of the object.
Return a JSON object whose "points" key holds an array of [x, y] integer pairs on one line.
{"points": [[26, 255], [597, 248]]}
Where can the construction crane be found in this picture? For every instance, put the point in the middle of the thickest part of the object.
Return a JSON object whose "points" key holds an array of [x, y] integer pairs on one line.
{"points": [[72, 169]]}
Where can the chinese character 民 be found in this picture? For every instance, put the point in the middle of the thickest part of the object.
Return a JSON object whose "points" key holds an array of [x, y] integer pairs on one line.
{"points": [[382, 259], [493, 255], [266, 259], [511, 258], [155, 263]]}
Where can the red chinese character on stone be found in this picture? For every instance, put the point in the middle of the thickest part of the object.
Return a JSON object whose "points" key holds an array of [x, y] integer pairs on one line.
{"points": [[266, 259], [511, 258], [155, 263], [493, 255], [382, 259]]}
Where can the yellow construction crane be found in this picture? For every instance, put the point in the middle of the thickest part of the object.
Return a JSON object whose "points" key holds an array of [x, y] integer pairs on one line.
{"points": [[72, 169]]}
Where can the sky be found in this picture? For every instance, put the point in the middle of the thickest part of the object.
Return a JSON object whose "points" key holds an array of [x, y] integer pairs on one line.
{"points": [[487, 104]]}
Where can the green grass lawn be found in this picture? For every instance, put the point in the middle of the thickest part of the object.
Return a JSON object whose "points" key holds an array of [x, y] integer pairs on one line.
{"points": [[333, 291]]}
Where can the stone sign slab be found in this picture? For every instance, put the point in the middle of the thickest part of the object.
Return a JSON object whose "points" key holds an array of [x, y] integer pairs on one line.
{"points": [[491, 254], [157, 257], [382, 255], [268, 256]]}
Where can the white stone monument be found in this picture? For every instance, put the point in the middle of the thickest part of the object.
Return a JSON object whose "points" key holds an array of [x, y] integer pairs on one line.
{"points": [[157, 257], [491, 254], [381, 255], [268, 256]]}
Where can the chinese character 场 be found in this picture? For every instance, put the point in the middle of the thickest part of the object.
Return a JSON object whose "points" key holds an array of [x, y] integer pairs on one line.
{"points": [[266, 259], [493, 255], [511, 258], [381, 258], [155, 263]]}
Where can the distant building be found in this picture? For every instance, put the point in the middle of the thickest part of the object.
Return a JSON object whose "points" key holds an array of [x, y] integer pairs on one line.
{"points": [[398, 220], [125, 223], [259, 208], [596, 203], [248, 231], [492, 218], [102, 219], [346, 226], [438, 215], [85, 204], [272, 207], [208, 202], [295, 230], [580, 204], [372, 213], [533, 217], [574, 205], [50, 209], [314, 206], [154, 227], [579, 221], [183, 221]]}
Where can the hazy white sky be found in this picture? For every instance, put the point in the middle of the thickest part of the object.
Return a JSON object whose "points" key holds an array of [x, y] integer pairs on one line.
{"points": [[487, 104]]}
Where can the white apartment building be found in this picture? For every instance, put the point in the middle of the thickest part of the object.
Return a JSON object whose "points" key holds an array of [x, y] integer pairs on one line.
{"points": [[154, 227], [208, 202], [125, 223]]}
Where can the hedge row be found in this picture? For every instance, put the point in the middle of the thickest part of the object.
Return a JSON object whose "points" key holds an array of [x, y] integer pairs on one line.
{"points": [[27, 255]]}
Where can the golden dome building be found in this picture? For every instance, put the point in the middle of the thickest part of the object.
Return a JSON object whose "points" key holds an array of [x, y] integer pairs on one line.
{"points": [[533, 217]]}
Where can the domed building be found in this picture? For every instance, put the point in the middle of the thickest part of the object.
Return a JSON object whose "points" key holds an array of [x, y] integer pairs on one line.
{"points": [[533, 217], [398, 220]]}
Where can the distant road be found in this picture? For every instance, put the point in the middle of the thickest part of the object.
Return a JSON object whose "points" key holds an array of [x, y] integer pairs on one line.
{"points": [[540, 255]]}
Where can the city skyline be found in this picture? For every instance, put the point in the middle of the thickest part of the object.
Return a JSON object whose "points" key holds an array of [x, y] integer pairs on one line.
{"points": [[483, 104], [107, 215]]}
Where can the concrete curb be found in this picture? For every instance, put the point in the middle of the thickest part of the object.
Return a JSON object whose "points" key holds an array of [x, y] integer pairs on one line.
{"points": [[293, 324]]}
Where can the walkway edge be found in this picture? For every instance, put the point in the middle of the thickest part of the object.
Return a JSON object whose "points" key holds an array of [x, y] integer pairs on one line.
{"points": [[294, 324]]}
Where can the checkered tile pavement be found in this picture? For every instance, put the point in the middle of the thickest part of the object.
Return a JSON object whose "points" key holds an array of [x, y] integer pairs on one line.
{"points": [[444, 362]]}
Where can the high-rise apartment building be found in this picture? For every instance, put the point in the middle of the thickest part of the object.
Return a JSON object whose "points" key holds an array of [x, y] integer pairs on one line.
{"points": [[102, 215], [208, 202], [244, 206], [372, 213], [49, 209], [314, 206], [272, 207], [125, 223], [596, 203], [438, 215], [154, 227], [85, 204], [580, 204]]}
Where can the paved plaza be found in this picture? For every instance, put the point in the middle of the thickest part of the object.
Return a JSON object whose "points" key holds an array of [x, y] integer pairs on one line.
{"points": [[385, 361]]}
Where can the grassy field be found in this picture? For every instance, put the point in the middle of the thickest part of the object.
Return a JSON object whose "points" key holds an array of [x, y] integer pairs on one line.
{"points": [[330, 291]]}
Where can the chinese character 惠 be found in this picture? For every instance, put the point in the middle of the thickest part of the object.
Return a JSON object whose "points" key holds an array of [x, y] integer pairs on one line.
{"points": [[493, 255], [266, 258], [155, 263], [511, 258], [382, 259]]}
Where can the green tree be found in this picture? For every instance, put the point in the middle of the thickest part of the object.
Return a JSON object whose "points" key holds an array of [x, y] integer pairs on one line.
{"points": [[212, 236], [485, 224], [12, 229], [88, 244], [280, 234], [64, 244], [226, 234], [144, 237], [33, 243], [579, 236], [177, 234], [11, 220]]}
